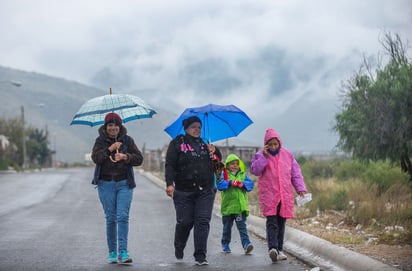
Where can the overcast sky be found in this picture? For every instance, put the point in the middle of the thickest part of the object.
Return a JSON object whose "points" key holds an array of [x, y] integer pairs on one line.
{"points": [[282, 62]]}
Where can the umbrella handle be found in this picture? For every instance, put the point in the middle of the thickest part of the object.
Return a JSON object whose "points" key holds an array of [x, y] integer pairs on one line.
{"points": [[114, 161]]}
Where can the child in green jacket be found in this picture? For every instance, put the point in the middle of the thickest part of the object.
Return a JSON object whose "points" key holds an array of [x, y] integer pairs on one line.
{"points": [[234, 185]]}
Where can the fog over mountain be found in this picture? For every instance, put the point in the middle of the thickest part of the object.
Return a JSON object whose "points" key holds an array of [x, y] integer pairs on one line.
{"points": [[52, 102], [282, 62]]}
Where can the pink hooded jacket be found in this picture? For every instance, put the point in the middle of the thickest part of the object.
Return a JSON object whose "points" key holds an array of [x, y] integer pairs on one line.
{"points": [[278, 175]]}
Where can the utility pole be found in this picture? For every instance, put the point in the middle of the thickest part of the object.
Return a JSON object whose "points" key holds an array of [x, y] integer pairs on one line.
{"points": [[24, 165]]}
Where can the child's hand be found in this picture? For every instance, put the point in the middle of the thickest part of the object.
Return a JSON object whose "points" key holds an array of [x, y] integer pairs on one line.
{"points": [[237, 184]]}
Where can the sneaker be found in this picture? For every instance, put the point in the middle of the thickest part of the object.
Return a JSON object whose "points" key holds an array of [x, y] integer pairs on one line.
{"points": [[273, 254], [202, 262], [282, 256], [179, 254], [112, 257], [124, 257], [248, 248], [226, 248]]}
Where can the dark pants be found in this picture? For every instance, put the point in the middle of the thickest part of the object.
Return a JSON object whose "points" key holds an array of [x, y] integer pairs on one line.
{"points": [[275, 231], [193, 210], [241, 226]]}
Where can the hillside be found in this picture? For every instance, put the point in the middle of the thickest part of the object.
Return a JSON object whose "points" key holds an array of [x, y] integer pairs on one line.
{"points": [[52, 102]]}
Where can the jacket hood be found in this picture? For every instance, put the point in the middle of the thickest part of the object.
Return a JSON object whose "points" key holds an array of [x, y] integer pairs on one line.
{"points": [[232, 157], [271, 133]]}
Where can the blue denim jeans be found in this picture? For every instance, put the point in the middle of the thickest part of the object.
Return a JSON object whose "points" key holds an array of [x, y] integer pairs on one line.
{"points": [[193, 210], [116, 198], [240, 220]]}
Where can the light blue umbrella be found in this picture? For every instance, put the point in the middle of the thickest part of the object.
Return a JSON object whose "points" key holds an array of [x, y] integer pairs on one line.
{"points": [[128, 107], [218, 121]]}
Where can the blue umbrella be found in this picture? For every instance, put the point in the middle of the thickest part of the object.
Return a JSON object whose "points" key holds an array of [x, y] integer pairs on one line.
{"points": [[128, 107], [218, 121]]}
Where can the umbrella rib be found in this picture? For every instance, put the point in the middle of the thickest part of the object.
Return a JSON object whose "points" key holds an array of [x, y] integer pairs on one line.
{"points": [[219, 122], [129, 107], [103, 111]]}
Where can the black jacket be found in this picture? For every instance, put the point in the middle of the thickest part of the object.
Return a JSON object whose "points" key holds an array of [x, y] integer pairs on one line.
{"points": [[105, 168], [188, 164]]}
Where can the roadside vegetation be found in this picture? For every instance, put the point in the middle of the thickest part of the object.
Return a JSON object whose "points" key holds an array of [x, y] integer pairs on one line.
{"points": [[374, 198], [369, 195], [23, 146]]}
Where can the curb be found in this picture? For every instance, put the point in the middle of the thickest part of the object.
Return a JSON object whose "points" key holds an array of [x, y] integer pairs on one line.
{"points": [[319, 252], [308, 248]]}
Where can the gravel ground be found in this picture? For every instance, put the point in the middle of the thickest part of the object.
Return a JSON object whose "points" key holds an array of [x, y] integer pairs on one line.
{"points": [[331, 228]]}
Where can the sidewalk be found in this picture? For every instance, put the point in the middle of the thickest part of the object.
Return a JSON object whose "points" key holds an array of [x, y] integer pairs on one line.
{"points": [[308, 248]]}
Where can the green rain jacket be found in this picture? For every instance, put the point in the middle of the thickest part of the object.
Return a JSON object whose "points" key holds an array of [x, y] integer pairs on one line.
{"points": [[234, 200]]}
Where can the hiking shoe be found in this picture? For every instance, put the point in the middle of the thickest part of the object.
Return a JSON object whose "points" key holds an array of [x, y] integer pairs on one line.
{"points": [[124, 257], [179, 254], [273, 254], [202, 262], [112, 257], [282, 256], [226, 248], [248, 248]]}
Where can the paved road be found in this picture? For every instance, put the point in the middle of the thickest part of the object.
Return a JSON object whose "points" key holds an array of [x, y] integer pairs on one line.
{"points": [[52, 220]]}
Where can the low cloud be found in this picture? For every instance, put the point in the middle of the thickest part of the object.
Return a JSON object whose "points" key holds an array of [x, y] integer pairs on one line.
{"points": [[273, 59]]}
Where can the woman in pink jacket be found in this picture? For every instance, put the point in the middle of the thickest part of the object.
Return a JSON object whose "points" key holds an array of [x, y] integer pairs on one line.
{"points": [[278, 173]]}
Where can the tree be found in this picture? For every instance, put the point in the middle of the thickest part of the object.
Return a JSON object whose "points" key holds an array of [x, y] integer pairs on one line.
{"points": [[375, 122], [37, 141], [37, 147]]}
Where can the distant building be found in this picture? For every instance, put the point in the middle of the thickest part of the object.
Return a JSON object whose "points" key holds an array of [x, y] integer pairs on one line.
{"points": [[154, 160], [245, 153]]}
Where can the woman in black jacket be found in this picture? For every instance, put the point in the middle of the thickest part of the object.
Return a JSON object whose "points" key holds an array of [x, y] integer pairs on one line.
{"points": [[115, 154], [189, 174]]}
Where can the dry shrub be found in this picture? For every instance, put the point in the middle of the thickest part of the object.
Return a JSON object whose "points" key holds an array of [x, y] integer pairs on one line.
{"points": [[371, 208]]}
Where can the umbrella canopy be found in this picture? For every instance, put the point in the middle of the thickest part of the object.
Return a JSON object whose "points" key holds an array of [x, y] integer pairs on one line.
{"points": [[218, 121], [128, 107]]}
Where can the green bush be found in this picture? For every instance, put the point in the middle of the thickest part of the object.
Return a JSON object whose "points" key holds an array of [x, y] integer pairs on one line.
{"points": [[3, 164], [334, 200], [313, 169], [383, 175], [348, 170]]}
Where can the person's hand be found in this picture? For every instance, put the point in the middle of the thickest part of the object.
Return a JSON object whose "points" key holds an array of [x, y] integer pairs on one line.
{"points": [[219, 167], [219, 173], [237, 184], [170, 189], [120, 156], [115, 146], [211, 148], [302, 193], [265, 151]]}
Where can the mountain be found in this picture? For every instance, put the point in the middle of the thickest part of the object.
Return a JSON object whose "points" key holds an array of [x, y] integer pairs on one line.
{"points": [[52, 102]]}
